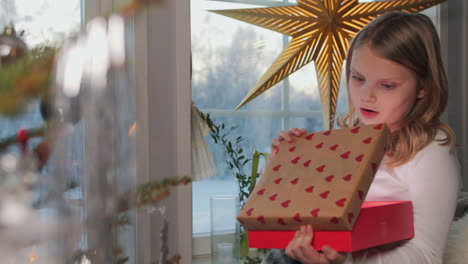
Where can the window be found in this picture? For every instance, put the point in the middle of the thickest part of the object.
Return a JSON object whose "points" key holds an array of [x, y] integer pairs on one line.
{"points": [[228, 58]]}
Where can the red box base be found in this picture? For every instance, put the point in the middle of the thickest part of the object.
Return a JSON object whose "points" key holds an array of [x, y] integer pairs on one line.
{"points": [[378, 223]]}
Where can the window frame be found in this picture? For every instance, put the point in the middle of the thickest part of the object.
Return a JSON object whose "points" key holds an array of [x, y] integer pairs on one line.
{"points": [[162, 77], [454, 42]]}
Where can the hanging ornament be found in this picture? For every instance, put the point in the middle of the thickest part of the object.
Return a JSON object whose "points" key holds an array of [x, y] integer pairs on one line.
{"points": [[22, 138], [12, 46], [321, 31]]}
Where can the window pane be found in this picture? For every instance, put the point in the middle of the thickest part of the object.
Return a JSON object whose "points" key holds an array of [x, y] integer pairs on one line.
{"points": [[202, 191], [342, 104], [304, 91], [229, 57], [312, 124], [305, 94], [257, 133]]}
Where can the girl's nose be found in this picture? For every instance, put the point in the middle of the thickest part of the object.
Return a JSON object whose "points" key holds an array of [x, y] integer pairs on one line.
{"points": [[368, 94]]}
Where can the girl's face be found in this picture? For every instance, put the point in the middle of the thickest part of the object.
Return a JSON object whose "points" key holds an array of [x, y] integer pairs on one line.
{"points": [[382, 91]]}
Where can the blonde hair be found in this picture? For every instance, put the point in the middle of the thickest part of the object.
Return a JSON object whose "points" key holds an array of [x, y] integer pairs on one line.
{"points": [[410, 40]]}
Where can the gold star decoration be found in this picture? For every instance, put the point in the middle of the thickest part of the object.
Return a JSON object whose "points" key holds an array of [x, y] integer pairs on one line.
{"points": [[321, 31]]}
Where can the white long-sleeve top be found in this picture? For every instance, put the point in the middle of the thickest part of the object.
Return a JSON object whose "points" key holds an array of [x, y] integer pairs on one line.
{"points": [[431, 181]]}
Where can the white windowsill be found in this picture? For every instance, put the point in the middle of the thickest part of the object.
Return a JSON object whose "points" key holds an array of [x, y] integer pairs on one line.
{"points": [[203, 259], [201, 250]]}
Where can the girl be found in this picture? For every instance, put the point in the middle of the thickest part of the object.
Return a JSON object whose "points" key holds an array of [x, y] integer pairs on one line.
{"points": [[395, 75]]}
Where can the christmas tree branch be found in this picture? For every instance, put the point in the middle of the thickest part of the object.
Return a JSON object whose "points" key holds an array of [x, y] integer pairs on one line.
{"points": [[149, 193], [33, 132], [145, 194], [24, 79]]}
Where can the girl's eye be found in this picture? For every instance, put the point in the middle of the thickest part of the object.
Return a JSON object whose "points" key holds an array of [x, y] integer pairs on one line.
{"points": [[387, 85], [357, 78]]}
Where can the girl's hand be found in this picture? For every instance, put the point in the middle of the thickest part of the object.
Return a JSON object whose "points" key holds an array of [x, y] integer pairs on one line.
{"points": [[285, 135], [300, 248]]}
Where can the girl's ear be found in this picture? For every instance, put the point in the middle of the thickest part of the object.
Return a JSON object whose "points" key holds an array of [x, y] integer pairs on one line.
{"points": [[421, 93]]}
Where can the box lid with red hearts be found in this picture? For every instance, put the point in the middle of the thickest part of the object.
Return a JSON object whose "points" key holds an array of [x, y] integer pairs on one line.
{"points": [[319, 178]]}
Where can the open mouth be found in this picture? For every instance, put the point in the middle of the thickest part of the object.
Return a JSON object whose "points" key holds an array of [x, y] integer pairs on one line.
{"points": [[368, 113], [368, 110]]}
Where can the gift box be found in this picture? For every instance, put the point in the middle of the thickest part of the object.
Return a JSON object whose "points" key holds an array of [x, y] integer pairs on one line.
{"points": [[319, 178], [378, 223]]}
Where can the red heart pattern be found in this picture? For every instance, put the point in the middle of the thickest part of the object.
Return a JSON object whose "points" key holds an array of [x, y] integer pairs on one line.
{"points": [[295, 181], [334, 147], [321, 168], [297, 217], [359, 158], [345, 155], [273, 197], [327, 133], [261, 192], [378, 127], [292, 149], [325, 194], [309, 137], [319, 146], [329, 178], [281, 221], [310, 189], [278, 181], [361, 195], [341, 202], [347, 177], [249, 212], [295, 160], [355, 130], [307, 163], [285, 204], [315, 212], [276, 168], [367, 140], [350, 217], [261, 219]]}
